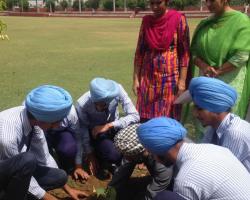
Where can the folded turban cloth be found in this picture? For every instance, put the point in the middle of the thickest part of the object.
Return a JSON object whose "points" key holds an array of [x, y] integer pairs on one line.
{"points": [[103, 90], [48, 103], [158, 135], [127, 143], [212, 94]]}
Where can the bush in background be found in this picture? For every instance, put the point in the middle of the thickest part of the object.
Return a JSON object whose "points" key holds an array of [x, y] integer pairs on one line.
{"points": [[50, 5], [11, 3], [238, 2], [75, 5], [3, 5], [141, 4], [92, 4], [24, 5], [132, 4], [181, 4], [108, 5], [64, 4]]}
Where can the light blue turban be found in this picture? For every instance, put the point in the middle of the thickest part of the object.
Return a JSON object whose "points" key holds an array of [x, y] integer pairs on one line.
{"points": [[158, 135], [48, 103], [103, 90], [212, 94]]}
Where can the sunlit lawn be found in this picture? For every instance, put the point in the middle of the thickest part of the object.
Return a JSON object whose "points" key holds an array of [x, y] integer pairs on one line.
{"points": [[67, 52]]}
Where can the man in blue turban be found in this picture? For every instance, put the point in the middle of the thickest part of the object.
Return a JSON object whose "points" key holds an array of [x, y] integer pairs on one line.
{"points": [[213, 100], [99, 119], [169, 131], [56, 107], [202, 168], [48, 103], [23, 147]]}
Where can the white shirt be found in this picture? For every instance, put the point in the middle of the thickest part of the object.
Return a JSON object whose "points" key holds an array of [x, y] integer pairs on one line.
{"points": [[14, 132], [210, 172], [234, 134]]}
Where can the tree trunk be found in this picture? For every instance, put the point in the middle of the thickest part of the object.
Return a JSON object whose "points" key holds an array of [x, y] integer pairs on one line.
{"points": [[113, 5]]}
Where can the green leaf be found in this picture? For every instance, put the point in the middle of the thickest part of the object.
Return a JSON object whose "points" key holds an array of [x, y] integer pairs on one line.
{"points": [[110, 193], [100, 192]]}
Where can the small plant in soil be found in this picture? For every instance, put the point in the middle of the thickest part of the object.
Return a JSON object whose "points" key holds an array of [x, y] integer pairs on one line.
{"points": [[108, 193]]}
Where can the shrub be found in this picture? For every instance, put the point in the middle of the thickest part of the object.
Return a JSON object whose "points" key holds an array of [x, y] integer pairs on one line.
{"points": [[50, 5], [131, 4], [11, 3], [119, 3], [25, 5], [64, 4], [92, 4], [75, 5], [108, 4], [181, 4], [238, 2], [3, 5], [141, 4]]}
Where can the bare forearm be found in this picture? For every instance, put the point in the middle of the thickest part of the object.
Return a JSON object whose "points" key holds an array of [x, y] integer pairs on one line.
{"points": [[200, 63], [182, 79], [136, 73], [66, 188], [226, 68]]}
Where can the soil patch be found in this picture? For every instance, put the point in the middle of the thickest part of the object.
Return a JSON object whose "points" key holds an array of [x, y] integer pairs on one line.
{"points": [[134, 189]]}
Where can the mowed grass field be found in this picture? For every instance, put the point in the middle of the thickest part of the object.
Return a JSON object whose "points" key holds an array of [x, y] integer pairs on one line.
{"points": [[67, 52]]}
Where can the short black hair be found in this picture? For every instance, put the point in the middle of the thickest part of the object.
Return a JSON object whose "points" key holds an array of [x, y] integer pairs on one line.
{"points": [[30, 116]]}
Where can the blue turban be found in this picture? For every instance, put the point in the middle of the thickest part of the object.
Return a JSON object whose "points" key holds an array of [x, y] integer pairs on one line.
{"points": [[103, 90], [212, 94], [158, 135], [48, 103]]}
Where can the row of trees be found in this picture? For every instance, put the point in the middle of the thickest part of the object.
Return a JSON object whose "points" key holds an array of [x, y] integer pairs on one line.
{"points": [[104, 4], [76, 4], [95, 4]]}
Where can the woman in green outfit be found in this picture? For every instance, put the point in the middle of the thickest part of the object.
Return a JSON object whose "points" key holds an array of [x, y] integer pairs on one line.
{"points": [[221, 48]]}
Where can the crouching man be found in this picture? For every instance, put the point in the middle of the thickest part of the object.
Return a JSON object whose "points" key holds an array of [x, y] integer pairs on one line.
{"points": [[206, 171], [127, 143], [98, 111], [22, 130]]}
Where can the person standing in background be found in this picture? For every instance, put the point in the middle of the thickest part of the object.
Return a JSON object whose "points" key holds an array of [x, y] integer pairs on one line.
{"points": [[161, 62], [221, 47]]}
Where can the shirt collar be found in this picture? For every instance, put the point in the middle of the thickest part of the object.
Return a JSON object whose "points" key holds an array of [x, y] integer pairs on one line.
{"points": [[226, 122], [25, 122], [182, 154]]}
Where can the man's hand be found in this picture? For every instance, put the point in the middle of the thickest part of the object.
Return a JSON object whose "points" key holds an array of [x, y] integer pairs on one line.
{"points": [[75, 194], [48, 196], [92, 163], [210, 72], [80, 174], [100, 129]]}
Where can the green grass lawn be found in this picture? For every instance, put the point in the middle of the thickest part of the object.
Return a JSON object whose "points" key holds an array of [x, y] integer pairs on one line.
{"points": [[68, 52]]}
